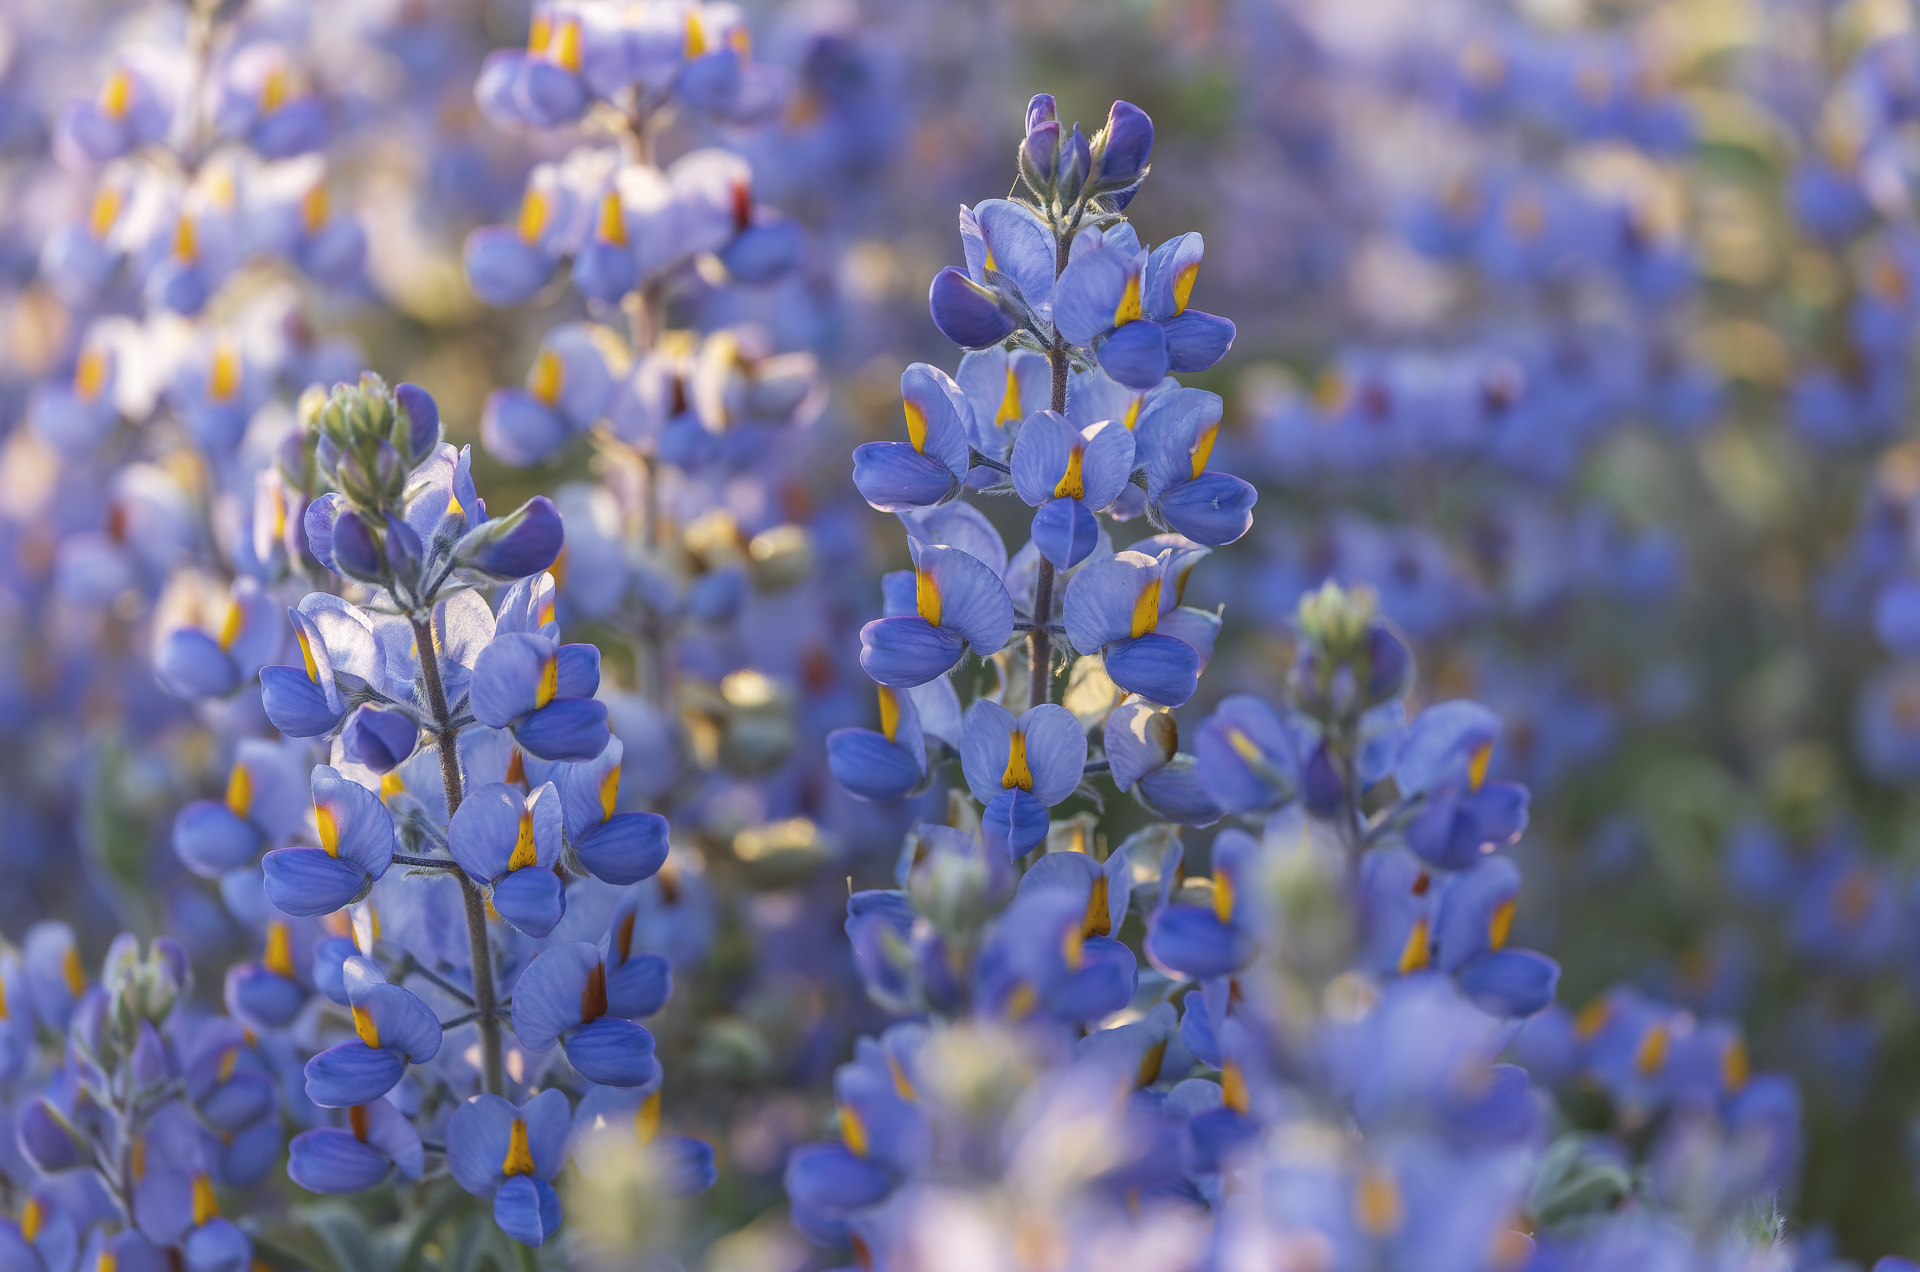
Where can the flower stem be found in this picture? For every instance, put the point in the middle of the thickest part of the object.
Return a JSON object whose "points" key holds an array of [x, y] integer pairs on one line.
{"points": [[479, 950]]}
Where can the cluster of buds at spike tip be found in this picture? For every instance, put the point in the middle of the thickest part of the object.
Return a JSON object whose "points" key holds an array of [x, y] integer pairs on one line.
{"points": [[1062, 167], [1348, 659], [370, 437]]}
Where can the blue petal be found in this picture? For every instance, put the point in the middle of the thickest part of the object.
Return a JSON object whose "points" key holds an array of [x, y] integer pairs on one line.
{"points": [[330, 1160], [532, 900], [1213, 508], [1195, 341], [1056, 751], [1103, 984], [1088, 292], [519, 429], [974, 602], [546, 998], [870, 767], [1193, 942], [1098, 607], [1136, 355], [761, 253], [624, 849], [527, 1209], [1065, 532], [306, 881], [828, 1178], [966, 313], [191, 664], [484, 829], [352, 1073], [687, 1164], [1159, 668], [639, 987], [1510, 983], [263, 997], [479, 1133], [933, 394], [604, 271], [577, 673], [406, 1025], [378, 738], [565, 729], [1015, 822], [210, 839], [904, 652], [612, 1052], [894, 477]]}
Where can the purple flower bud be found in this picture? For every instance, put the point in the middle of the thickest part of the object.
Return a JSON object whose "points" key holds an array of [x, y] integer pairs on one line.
{"points": [[1075, 162], [355, 553], [524, 542], [423, 419], [405, 552], [965, 312], [1123, 148], [1040, 110], [1039, 153], [151, 1064]]}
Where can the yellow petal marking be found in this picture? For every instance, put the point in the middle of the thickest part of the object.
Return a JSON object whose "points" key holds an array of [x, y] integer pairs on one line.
{"points": [[609, 791], [205, 1205], [613, 224], [240, 790], [116, 95], [231, 626], [646, 1119], [1072, 483], [364, 1026], [519, 1158], [1146, 609], [889, 713], [1477, 766], [306, 655], [1097, 921], [1377, 1205], [1203, 448], [314, 208], [106, 210], [279, 956], [534, 211], [1017, 773], [1009, 412], [90, 376], [916, 426], [1183, 286], [524, 854], [1233, 1087], [1222, 896], [71, 972], [549, 682], [926, 596], [329, 828], [186, 240], [853, 1131], [549, 375], [1128, 310], [1414, 954], [1500, 925]]}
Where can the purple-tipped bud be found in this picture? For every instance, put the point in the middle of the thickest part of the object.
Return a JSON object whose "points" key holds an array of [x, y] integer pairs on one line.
{"points": [[47, 1139], [1075, 162], [1041, 110], [150, 1063], [1124, 145], [422, 417], [1389, 665], [355, 552], [522, 543], [1038, 154], [966, 313], [405, 552]]}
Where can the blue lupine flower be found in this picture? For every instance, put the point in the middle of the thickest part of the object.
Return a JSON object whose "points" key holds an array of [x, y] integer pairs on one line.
{"points": [[130, 110], [1020, 768], [395, 1029], [1445, 758], [893, 762], [1069, 474], [511, 1154], [338, 654], [1046, 950], [1247, 758], [377, 1140], [569, 388], [1131, 309], [961, 604], [563, 997], [509, 845], [638, 983], [1113, 608], [543, 691], [1002, 388], [617, 848], [515, 546], [540, 87], [1174, 439], [1203, 942], [929, 468], [356, 847], [1142, 746], [267, 993], [262, 807], [194, 663]]}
